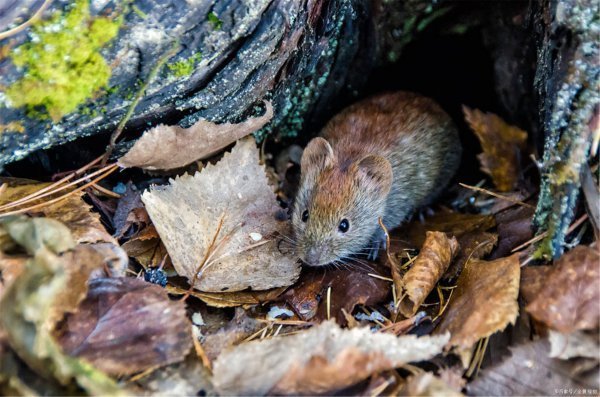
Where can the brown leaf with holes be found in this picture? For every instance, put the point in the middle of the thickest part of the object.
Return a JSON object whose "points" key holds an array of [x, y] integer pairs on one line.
{"points": [[484, 301], [167, 147], [319, 360], [433, 260], [570, 299], [75, 213], [126, 325], [501, 144], [349, 287], [226, 221]]}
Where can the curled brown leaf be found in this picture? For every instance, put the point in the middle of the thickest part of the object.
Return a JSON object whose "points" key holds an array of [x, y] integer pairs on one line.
{"points": [[433, 260]]}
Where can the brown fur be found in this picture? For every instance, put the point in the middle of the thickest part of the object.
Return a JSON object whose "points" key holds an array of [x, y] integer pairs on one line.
{"points": [[382, 157]]}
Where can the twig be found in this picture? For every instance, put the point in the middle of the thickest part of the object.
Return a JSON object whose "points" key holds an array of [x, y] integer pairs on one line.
{"points": [[105, 191], [380, 277], [136, 100], [54, 186], [27, 23], [329, 302], [109, 170], [540, 236], [497, 195]]}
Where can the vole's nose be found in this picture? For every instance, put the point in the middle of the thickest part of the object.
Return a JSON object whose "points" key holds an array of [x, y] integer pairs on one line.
{"points": [[312, 257]]}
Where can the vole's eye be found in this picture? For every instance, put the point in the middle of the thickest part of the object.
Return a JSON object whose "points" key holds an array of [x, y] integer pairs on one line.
{"points": [[305, 216], [344, 226]]}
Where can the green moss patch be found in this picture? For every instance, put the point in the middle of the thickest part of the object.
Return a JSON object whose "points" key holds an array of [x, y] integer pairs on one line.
{"points": [[62, 62], [184, 67]]}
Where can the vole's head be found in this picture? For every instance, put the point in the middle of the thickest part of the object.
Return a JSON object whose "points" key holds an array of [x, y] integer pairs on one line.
{"points": [[338, 203]]}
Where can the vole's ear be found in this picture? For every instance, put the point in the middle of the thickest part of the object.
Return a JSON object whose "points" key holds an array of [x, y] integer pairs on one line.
{"points": [[377, 172], [318, 154]]}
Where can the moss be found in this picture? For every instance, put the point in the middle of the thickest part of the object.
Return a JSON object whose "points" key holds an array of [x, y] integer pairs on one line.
{"points": [[62, 62], [214, 20], [185, 67]]}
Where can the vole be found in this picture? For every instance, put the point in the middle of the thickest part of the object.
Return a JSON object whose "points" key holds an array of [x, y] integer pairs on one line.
{"points": [[382, 157]]}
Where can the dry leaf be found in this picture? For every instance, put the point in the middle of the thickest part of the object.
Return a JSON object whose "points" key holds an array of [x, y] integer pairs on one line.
{"points": [[473, 245], [501, 144], [167, 147], [147, 248], [230, 299], [188, 378], [349, 288], [570, 299], [484, 301], [427, 384], [314, 361], [187, 214], [238, 329], [129, 212], [576, 344], [514, 228], [48, 286], [126, 325], [75, 213], [452, 223], [433, 260], [530, 372], [532, 281]]}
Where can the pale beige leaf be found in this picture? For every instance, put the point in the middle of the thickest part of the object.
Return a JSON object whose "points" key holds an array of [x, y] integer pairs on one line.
{"points": [[187, 213], [166, 147], [484, 301], [314, 361], [427, 384]]}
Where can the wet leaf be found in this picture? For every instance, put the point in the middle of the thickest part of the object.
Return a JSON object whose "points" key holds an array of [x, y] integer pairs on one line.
{"points": [[433, 260], [501, 144], [126, 325], [349, 287], [49, 286], [75, 213], [570, 299], [484, 301], [167, 147], [530, 371], [318, 360], [188, 212]]}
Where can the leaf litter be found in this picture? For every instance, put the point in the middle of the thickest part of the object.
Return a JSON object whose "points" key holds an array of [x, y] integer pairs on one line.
{"points": [[236, 315]]}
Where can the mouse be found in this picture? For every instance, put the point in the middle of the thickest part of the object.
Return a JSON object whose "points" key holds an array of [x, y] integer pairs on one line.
{"points": [[383, 157]]}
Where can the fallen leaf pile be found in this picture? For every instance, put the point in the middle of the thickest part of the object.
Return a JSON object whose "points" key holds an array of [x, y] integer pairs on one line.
{"points": [[188, 284]]}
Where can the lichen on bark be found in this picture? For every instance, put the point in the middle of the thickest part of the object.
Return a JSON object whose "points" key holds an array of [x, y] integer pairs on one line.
{"points": [[566, 119], [62, 62]]}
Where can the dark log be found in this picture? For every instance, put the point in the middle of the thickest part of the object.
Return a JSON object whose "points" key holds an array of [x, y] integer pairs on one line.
{"points": [[299, 54]]}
